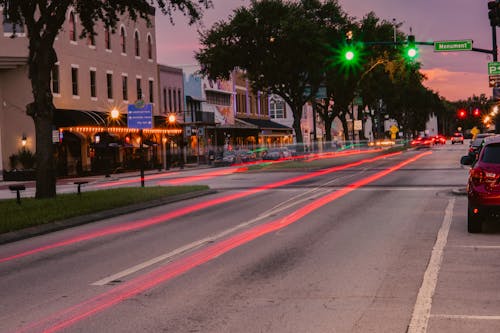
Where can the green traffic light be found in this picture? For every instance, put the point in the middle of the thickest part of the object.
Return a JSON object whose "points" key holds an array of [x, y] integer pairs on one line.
{"points": [[349, 55], [412, 52]]}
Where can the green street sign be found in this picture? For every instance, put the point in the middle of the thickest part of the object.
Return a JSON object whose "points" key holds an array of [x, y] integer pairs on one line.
{"points": [[494, 68], [453, 45]]}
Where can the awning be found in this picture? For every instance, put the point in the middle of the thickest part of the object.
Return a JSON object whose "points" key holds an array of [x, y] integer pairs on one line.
{"points": [[67, 118], [266, 124]]}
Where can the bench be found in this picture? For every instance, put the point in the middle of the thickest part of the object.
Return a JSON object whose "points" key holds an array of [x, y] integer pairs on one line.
{"points": [[80, 183], [17, 188]]}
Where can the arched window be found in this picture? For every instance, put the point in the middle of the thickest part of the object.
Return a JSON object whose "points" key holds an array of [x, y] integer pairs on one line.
{"points": [[137, 45], [72, 27], [123, 40], [150, 47], [107, 38]]}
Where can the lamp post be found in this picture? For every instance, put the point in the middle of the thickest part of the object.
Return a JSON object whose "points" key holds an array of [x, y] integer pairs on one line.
{"points": [[114, 114], [172, 130]]}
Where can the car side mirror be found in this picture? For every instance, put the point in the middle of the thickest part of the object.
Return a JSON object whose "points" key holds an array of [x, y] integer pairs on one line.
{"points": [[466, 160]]}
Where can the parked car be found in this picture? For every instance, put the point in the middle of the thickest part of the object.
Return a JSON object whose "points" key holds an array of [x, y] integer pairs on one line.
{"points": [[225, 158], [422, 142], [246, 155], [276, 154], [483, 187], [457, 138]]}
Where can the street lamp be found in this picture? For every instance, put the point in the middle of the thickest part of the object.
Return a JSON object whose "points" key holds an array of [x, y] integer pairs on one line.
{"points": [[114, 114]]}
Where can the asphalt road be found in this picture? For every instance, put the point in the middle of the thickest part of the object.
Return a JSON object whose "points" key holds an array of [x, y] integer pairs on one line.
{"points": [[377, 247]]}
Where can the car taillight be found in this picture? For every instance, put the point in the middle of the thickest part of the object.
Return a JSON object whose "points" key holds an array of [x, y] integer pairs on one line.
{"points": [[477, 175], [481, 176]]}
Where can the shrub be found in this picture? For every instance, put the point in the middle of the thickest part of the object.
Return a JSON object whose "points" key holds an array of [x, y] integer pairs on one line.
{"points": [[26, 158]]}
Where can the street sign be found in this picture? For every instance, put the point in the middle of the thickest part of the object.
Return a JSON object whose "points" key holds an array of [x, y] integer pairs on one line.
{"points": [[140, 115], [494, 68], [494, 80], [358, 125], [453, 45]]}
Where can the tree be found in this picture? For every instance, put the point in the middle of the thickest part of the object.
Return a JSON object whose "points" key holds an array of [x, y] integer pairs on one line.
{"points": [[346, 79], [43, 20], [279, 45]]}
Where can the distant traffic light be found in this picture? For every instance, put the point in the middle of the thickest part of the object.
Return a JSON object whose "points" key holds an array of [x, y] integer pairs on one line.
{"points": [[411, 51], [476, 112], [494, 13], [462, 114]]}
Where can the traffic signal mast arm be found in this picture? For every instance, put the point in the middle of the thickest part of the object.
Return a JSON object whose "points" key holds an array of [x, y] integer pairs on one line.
{"points": [[475, 49]]}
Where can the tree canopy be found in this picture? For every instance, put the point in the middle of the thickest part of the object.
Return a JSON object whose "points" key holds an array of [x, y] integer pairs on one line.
{"points": [[43, 20]]}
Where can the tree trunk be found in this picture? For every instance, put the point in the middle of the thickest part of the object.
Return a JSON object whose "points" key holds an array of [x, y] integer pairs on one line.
{"points": [[42, 59]]}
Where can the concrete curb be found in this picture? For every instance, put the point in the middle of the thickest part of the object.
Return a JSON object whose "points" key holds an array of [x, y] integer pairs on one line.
{"points": [[106, 214]]}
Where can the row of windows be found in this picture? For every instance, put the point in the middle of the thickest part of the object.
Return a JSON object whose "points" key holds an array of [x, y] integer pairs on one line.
{"points": [[218, 98], [73, 35], [172, 101], [75, 88]]}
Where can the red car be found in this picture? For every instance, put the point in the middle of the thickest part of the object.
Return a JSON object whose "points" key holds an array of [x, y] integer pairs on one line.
{"points": [[423, 142], [439, 139], [483, 188]]}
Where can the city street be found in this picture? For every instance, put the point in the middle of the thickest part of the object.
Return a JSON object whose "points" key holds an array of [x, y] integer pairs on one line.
{"points": [[375, 246]]}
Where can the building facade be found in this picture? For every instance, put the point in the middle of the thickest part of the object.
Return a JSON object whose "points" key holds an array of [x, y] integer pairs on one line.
{"points": [[93, 76]]}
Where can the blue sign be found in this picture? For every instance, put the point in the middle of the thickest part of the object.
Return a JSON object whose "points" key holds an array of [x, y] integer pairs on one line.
{"points": [[140, 115]]}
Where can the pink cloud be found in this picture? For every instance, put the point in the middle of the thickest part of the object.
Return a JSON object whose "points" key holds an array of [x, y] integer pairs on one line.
{"points": [[456, 85]]}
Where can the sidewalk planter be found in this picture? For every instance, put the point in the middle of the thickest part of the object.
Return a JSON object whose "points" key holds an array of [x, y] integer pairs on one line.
{"points": [[19, 175]]}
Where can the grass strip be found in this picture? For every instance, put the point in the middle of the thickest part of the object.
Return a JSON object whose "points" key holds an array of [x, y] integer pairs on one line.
{"points": [[32, 212]]}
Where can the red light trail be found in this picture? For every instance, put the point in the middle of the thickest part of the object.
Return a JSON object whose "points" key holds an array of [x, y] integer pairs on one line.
{"points": [[165, 273], [186, 210]]}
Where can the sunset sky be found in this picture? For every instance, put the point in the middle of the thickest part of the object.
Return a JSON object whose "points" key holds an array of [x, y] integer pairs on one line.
{"points": [[454, 76]]}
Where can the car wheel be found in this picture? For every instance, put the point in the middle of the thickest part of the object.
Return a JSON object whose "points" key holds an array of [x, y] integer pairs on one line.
{"points": [[474, 221]]}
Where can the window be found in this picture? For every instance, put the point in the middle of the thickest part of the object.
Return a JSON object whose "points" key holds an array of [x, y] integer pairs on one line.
{"points": [[277, 109], [123, 40], [107, 39], [218, 98], [150, 47], [179, 100], [72, 27], [125, 87], [90, 39], [109, 82], [93, 92], [151, 91], [137, 45], [175, 102], [74, 81], [55, 79], [10, 28], [169, 100], [139, 89], [492, 154], [165, 100]]}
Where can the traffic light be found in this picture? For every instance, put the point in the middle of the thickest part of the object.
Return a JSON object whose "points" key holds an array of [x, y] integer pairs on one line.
{"points": [[476, 112], [494, 13], [349, 51], [462, 114], [411, 51]]}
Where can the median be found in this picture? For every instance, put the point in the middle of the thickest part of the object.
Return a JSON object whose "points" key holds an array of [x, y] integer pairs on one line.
{"points": [[86, 207]]}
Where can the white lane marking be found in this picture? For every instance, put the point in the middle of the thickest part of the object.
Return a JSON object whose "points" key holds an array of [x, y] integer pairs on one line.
{"points": [[311, 194], [465, 317], [148, 263], [422, 310]]}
